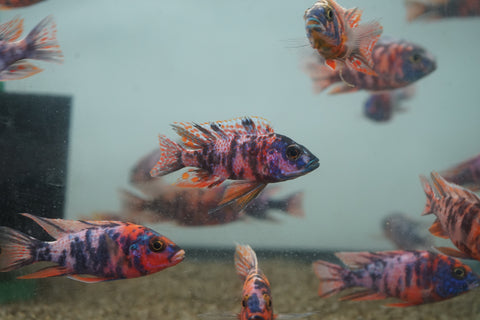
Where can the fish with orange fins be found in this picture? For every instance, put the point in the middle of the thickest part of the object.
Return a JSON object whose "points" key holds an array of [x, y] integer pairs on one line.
{"points": [[440, 9], [243, 149], [338, 37], [397, 64], [89, 251], [10, 4], [40, 44], [416, 277], [466, 174], [458, 216]]}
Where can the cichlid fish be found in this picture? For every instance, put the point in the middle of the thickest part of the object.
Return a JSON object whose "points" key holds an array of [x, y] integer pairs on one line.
{"points": [[416, 277], [245, 149], [89, 251], [40, 44], [458, 216], [466, 174], [439, 9], [405, 233], [10, 4], [338, 37], [397, 64], [380, 106]]}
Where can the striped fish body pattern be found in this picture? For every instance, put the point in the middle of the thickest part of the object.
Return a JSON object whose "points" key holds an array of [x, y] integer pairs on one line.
{"points": [[89, 251], [416, 277], [458, 216], [397, 64]]}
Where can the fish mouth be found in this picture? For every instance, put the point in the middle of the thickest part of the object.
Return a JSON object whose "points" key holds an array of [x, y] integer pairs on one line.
{"points": [[312, 165], [178, 257]]}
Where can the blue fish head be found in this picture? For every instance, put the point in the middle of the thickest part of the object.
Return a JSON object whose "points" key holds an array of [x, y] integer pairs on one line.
{"points": [[453, 278], [417, 63]]}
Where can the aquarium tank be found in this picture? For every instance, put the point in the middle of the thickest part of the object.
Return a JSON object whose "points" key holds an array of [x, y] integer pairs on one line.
{"points": [[249, 160]]}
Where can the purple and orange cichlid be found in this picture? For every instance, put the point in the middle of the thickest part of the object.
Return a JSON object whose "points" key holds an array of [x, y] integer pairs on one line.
{"points": [[458, 216], [466, 173], [243, 149], [439, 9], [338, 37], [40, 44], [397, 64], [89, 251], [416, 277], [10, 4], [380, 106]]}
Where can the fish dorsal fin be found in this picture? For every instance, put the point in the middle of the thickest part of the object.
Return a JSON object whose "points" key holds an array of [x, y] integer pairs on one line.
{"points": [[446, 189], [453, 253], [353, 16], [11, 30], [196, 135], [245, 260], [59, 227], [360, 259], [437, 230]]}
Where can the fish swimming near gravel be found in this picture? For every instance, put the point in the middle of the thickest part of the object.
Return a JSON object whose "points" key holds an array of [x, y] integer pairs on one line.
{"points": [[40, 44], [89, 251], [416, 277], [242, 149]]}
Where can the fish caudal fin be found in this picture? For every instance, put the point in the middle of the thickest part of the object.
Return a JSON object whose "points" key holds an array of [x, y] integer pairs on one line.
{"points": [[19, 70], [42, 42], [330, 276], [170, 158], [16, 249], [245, 260], [365, 36], [294, 205]]}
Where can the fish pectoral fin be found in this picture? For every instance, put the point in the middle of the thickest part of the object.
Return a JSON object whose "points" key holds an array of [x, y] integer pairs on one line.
{"points": [[401, 304], [437, 230], [239, 194], [19, 70], [364, 295], [453, 252], [88, 279], [198, 178], [53, 271]]}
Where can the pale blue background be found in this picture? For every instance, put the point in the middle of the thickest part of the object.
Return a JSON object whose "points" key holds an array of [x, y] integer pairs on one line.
{"points": [[134, 67]]}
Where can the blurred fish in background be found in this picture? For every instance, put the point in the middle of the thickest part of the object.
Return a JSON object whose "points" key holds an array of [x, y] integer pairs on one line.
{"points": [[440, 9], [406, 233], [397, 64], [381, 106], [10, 4], [466, 174], [40, 44]]}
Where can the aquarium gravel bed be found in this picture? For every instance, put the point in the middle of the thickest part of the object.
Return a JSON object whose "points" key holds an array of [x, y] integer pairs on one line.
{"points": [[206, 286]]}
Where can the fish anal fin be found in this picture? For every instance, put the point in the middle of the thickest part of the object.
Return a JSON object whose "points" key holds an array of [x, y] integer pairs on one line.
{"points": [[53, 271], [88, 279], [198, 178], [239, 194], [437, 230], [453, 253], [364, 295], [19, 70]]}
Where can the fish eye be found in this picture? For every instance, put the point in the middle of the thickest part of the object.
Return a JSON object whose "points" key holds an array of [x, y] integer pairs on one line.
{"points": [[293, 152], [459, 273], [157, 245], [329, 14], [415, 58], [244, 301], [268, 301]]}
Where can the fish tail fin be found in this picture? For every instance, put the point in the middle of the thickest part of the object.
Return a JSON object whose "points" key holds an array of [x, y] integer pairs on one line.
{"points": [[42, 42], [170, 158], [427, 187], [16, 249], [294, 205], [245, 260], [330, 276]]}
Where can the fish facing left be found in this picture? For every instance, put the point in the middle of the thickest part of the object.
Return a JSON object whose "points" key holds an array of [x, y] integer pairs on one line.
{"points": [[89, 251], [242, 149], [40, 44]]}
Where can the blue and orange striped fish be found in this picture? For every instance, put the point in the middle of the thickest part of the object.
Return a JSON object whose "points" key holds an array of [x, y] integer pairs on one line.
{"points": [[416, 277], [338, 37], [89, 251], [40, 44], [244, 149]]}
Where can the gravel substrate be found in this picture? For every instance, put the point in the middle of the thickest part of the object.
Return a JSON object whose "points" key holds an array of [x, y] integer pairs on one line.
{"points": [[195, 287]]}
